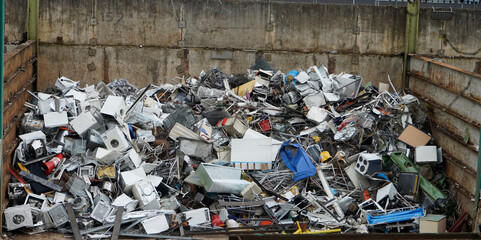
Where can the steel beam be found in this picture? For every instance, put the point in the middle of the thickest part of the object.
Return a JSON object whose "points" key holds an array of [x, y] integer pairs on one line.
{"points": [[410, 42], [32, 19]]}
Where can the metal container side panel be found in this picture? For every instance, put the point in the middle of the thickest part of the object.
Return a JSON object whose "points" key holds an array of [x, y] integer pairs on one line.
{"points": [[453, 97]]}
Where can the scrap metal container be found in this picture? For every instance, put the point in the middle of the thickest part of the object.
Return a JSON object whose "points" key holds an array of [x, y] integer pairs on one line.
{"points": [[159, 41]]}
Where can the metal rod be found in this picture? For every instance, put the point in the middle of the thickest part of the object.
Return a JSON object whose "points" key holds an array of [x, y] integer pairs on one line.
{"points": [[32, 19], [95, 229], [328, 191], [118, 222], [142, 95], [73, 222]]}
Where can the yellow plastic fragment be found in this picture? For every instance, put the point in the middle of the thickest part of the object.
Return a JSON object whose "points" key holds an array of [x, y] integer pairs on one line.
{"points": [[337, 230], [325, 155], [299, 230], [22, 168]]}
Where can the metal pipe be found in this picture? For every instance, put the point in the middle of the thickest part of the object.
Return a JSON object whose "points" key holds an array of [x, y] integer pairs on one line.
{"points": [[478, 185], [2, 47]]}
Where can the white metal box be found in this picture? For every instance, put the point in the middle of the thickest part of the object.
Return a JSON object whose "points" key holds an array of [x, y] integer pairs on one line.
{"points": [[55, 119], [84, 122], [18, 216], [115, 140], [426, 154], [156, 224], [199, 216], [145, 192], [114, 106]]}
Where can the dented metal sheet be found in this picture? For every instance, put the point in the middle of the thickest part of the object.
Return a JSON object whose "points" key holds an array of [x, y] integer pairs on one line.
{"points": [[195, 148]]}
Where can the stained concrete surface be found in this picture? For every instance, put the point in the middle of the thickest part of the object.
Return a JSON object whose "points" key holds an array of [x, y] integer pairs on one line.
{"points": [[151, 65], [146, 41], [15, 19]]}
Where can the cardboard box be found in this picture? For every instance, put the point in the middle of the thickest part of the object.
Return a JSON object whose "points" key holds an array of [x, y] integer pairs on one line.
{"points": [[414, 137], [432, 223]]}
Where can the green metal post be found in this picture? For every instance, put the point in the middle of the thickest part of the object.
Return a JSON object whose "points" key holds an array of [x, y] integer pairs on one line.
{"points": [[478, 186], [412, 23], [32, 18], [2, 47]]}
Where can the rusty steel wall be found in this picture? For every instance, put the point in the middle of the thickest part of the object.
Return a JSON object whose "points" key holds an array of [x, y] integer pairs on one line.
{"points": [[20, 76], [453, 96]]}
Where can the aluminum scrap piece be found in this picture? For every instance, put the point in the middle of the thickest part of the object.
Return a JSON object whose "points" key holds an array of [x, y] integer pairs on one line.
{"points": [[139, 214], [40, 180]]}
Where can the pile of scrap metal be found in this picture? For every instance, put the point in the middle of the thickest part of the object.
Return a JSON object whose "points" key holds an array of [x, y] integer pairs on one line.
{"points": [[264, 151]]}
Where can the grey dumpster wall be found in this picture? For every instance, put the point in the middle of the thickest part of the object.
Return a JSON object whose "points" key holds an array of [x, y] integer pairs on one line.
{"points": [[147, 40]]}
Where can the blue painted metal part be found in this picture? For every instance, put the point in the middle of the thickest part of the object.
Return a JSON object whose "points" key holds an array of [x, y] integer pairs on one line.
{"points": [[297, 160], [396, 217]]}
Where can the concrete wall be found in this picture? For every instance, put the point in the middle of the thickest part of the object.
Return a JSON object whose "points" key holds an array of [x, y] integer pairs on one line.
{"points": [[452, 38], [151, 65], [144, 40], [15, 19]]}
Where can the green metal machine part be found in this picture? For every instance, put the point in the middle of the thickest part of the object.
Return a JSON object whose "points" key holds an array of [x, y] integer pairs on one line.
{"points": [[407, 166]]}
